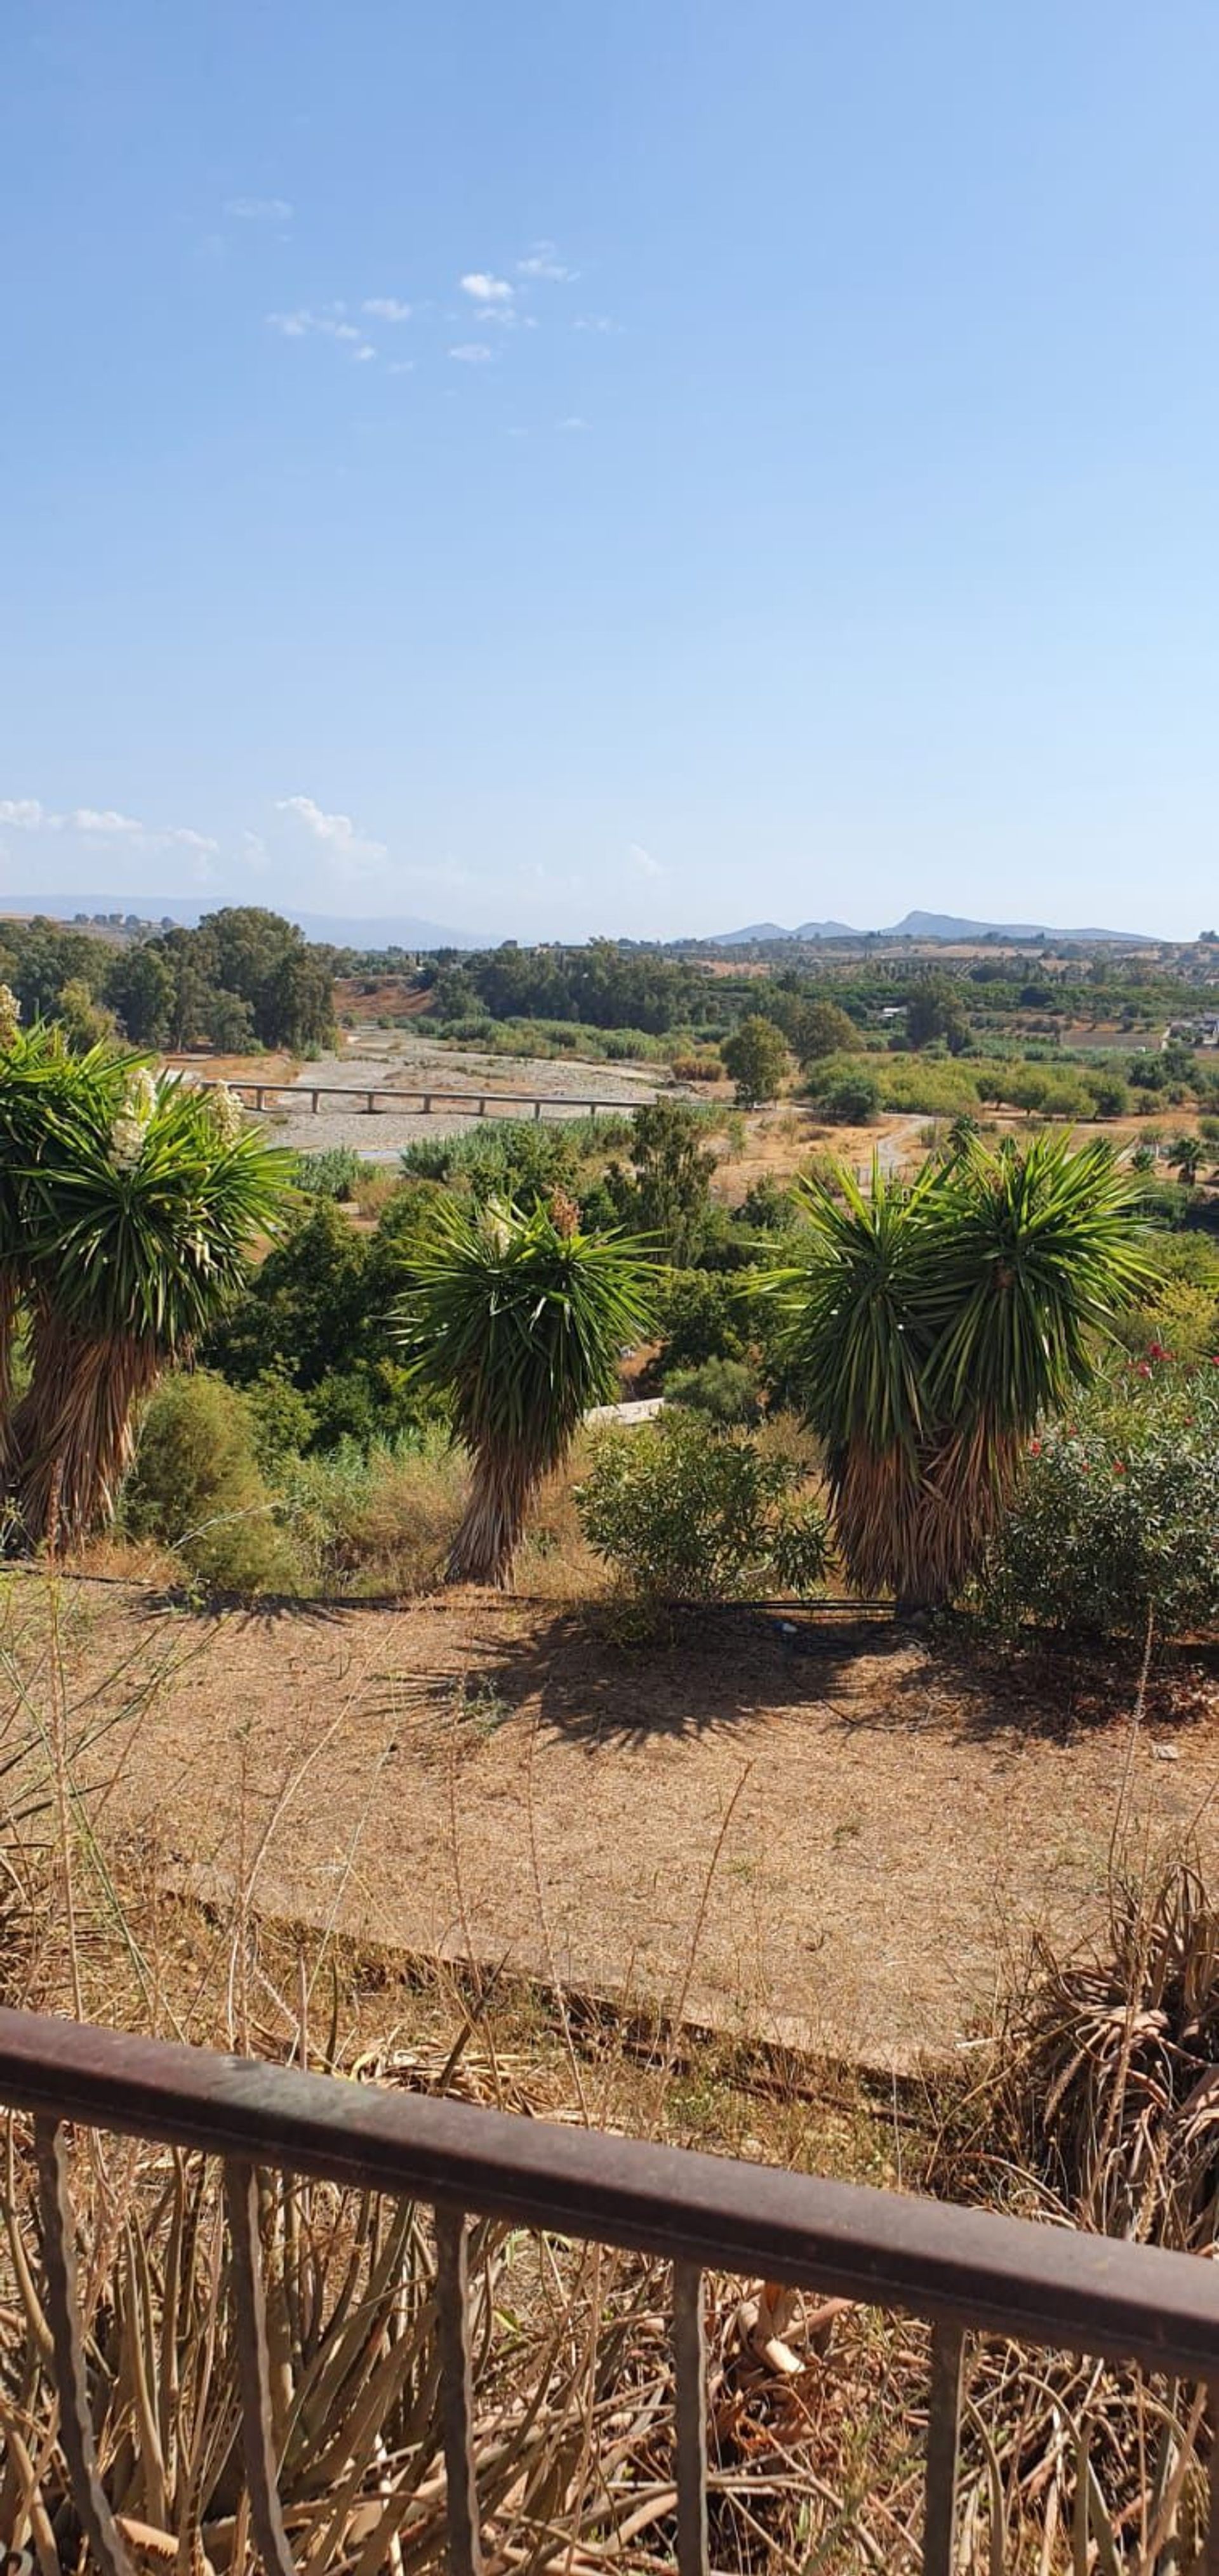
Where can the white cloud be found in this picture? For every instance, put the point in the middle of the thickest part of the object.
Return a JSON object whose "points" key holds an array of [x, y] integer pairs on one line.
{"points": [[342, 836], [86, 818], [486, 289], [596, 322], [200, 842], [543, 263], [573, 421], [260, 210], [644, 861], [386, 308], [364, 353], [299, 325], [401, 367], [103, 822], [472, 353]]}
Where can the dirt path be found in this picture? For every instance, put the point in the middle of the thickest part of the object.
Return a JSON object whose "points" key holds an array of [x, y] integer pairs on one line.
{"points": [[494, 1778]]}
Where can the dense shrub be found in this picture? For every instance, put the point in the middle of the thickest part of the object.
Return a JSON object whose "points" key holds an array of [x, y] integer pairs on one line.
{"points": [[196, 1486], [332, 1174], [701, 1318], [687, 1513], [1117, 1513], [726, 1391], [516, 1157], [850, 1101], [375, 1520]]}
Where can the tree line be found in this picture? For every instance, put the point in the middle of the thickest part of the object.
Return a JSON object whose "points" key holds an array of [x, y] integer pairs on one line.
{"points": [[242, 978]]}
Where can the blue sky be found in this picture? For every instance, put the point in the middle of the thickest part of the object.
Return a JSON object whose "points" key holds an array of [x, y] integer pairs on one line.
{"points": [[793, 489]]}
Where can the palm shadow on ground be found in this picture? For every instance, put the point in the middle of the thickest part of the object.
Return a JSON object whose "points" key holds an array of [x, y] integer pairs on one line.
{"points": [[713, 1674]]}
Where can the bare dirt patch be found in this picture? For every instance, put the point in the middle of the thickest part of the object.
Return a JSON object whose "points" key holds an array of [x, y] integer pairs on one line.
{"points": [[507, 1782]]}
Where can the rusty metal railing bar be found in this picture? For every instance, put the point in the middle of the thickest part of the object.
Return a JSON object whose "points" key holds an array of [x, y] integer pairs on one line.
{"points": [[1002, 2275]]}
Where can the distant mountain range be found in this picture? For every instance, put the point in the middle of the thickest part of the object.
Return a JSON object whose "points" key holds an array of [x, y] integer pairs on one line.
{"points": [[343, 932], [923, 925], [405, 931]]}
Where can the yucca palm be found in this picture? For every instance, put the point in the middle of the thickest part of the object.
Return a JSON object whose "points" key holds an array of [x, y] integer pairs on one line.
{"points": [[136, 1217], [930, 1328], [46, 1092], [516, 1318]]}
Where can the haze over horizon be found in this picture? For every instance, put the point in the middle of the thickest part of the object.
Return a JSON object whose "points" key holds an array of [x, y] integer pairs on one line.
{"points": [[640, 473]]}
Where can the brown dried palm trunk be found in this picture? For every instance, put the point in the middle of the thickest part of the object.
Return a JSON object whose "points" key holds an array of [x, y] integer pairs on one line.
{"points": [[10, 1299], [74, 1433], [915, 1523], [487, 1540], [876, 1495]]}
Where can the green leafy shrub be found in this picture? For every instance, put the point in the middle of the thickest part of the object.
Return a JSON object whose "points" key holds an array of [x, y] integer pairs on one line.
{"points": [[726, 1391], [332, 1174], [687, 1513], [196, 1486], [516, 1157], [1117, 1512], [701, 1318], [851, 1101]]}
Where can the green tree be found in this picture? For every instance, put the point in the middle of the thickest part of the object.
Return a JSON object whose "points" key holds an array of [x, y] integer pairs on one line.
{"points": [[84, 1022], [929, 1329], [756, 1059], [140, 987], [671, 1193], [516, 1320], [823, 1028], [295, 1006], [933, 1011], [851, 1101]]}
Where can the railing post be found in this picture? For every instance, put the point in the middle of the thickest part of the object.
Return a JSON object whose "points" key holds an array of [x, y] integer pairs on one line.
{"points": [[457, 2390], [943, 2447], [253, 2368], [67, 2337], [1210, 2548], [690, 2372]]}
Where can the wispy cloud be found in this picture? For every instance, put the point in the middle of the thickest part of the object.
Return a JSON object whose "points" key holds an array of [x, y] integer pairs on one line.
{"points": [[400, 367], [350, 846], [330, 324], [602, 322], [486, 289], [643, 860], [573, 421], [386, 308], [86, 818], [103, 822], [472, 353], [542, 262], [259, 210]]}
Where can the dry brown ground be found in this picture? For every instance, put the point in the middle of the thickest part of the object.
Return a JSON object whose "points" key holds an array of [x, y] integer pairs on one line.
{"points": [[506, 1780]]}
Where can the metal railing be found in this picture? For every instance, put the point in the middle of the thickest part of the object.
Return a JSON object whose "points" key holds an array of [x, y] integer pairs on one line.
{"points": [[962, 2270]]}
